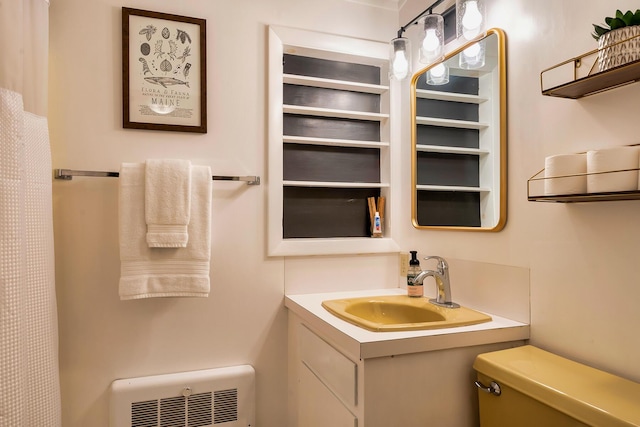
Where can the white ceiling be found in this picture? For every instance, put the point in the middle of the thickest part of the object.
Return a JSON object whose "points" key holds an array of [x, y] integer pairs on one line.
{"points": [[385, 4]]}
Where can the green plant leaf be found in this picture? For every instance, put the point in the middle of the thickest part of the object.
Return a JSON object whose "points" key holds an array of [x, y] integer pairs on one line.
{"points": [[619, 14], [636, 17], [617, 23], [598, 31], [608, 20], [628, 18]]}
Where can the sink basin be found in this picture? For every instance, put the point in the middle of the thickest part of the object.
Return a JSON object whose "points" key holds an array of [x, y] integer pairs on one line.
{"points": [[401, 313]]}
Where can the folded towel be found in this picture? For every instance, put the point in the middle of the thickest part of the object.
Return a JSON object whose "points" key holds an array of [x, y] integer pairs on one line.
{"points": [[163, 272], [167, 202]]}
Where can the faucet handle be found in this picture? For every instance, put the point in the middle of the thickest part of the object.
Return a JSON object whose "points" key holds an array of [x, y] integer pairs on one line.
{"points": [[442, 263]]}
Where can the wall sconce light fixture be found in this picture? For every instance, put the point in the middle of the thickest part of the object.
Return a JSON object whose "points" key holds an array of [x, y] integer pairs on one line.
{"points": [[470, 22], [400, 58], [431, 48]]}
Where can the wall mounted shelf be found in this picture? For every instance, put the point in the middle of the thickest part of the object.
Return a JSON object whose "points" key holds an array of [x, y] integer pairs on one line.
{"points": [[535, 192], [595, 197], [557, 80]]}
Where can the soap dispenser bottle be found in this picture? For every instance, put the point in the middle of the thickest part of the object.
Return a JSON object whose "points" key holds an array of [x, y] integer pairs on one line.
{"points": [[414, 290]]}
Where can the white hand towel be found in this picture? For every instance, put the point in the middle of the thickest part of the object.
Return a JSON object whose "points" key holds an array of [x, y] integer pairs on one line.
{"points": [[167, 202], [163, 272]]}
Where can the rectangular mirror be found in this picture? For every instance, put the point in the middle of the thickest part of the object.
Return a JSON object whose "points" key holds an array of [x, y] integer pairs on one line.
{"points": [[458, 138]]}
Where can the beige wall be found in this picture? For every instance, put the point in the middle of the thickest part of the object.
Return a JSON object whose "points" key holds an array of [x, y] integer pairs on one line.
{"points": [[243, 320], [583, 258]]}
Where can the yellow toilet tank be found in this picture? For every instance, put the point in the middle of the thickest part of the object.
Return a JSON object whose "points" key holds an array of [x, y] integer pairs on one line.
{"points": [[538, 388]]}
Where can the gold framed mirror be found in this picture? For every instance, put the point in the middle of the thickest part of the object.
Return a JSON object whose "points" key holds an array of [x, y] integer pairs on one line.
{"points": [[459, 139]]}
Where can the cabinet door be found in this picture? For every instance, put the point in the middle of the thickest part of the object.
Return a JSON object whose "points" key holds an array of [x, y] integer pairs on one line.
{"points": [[318, 406]]}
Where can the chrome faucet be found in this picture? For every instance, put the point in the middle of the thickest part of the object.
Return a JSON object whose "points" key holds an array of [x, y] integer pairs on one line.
{"points": [[443, 285]]}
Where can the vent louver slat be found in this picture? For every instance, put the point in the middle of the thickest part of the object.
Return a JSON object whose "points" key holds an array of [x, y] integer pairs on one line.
{"points": [[144, 414], [200, 410], [225, 404], [172, 412]]}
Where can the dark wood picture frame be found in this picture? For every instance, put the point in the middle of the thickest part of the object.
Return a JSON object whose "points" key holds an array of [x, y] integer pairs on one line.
{"points": [[164, 71]]}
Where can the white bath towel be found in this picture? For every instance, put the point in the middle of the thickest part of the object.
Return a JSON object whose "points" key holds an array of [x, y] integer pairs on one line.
{"points": [[163, 272], [167, 198]]}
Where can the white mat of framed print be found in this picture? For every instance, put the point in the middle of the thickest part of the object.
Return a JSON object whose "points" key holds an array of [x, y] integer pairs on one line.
{"points": [[164, 71]]}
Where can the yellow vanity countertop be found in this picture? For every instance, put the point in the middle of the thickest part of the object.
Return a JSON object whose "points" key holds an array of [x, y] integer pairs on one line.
{"points": [[366, 344]]}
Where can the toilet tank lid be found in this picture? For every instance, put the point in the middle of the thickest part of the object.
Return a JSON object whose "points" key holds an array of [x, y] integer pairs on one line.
{"points": [[594, 397]]}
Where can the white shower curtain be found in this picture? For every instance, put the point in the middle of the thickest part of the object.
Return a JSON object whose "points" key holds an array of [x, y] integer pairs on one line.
{"points": [[29, 379]]}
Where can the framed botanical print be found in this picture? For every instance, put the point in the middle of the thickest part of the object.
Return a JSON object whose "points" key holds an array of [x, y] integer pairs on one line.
{"points": [[164, 71]]}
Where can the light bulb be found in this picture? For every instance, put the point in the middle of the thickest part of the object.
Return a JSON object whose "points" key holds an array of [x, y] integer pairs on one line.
{"points": [[438, 71], [473, 57], [471, 20], [438, 75], [400, 65], [472, 51], [431, 41]]}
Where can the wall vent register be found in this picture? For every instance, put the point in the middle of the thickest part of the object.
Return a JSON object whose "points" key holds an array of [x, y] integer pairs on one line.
{"points": [[209, 398]]}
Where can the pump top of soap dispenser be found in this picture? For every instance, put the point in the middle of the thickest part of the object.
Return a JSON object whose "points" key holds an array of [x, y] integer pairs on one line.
{"points": [[414, 258]]}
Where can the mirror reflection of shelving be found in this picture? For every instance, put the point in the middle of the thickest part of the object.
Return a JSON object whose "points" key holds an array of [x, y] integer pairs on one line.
{"points": [[457, 140]]}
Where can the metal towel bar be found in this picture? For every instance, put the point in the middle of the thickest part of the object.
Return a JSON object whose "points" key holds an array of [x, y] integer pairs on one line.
{"points": [[68, 174]]}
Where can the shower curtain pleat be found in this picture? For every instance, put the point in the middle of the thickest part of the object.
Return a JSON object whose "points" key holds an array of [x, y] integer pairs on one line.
{"points": [[29, 378], [24, 44]]}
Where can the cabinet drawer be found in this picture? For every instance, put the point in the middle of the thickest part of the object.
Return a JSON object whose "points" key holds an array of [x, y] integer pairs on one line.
{"points": [[320, 407], [334, 369]]}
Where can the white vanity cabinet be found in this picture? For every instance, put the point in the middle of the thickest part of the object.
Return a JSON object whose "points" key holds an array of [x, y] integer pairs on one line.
{"points": [[337, 380]]}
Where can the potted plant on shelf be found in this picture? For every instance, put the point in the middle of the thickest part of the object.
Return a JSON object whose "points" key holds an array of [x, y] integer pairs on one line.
{"points": [[618, 39]]}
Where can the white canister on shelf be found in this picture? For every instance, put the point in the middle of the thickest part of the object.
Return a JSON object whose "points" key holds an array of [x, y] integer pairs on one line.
{"points": [[612, 169], [565, 174]]}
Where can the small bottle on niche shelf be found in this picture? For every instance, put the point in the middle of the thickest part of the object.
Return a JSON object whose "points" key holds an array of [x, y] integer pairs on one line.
{"points": [[377, 226], [414, 290]]}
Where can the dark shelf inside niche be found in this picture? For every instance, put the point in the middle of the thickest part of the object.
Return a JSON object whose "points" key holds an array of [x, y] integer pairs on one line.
{"points": [[462, 170], [447, 137], [330, 164], [329, 127], [447, 110], [448, 208], [326, 212], [317, 97], [329, 69]]}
